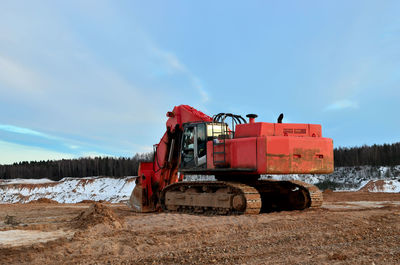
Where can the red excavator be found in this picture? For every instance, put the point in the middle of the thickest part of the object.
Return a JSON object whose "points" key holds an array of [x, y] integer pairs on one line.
{"points": [[237, 153]]}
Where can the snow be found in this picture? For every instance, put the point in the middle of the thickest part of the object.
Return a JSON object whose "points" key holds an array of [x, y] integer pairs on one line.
{"points": [[25, 181], [350, 178], [68, 190], [382, 186], [392, 186]]}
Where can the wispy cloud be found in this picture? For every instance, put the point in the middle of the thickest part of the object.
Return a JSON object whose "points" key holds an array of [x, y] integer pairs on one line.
{"points": [[342, 104], [21, 130], [174, 65], [16, 75], [172, 61], [72, 146], [50, 143], [203, 93]]}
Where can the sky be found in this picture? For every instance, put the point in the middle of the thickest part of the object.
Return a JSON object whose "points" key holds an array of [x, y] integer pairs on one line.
{"points": [[96, 77]]}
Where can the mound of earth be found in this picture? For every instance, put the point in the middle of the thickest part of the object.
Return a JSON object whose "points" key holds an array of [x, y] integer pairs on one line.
{"points": [[43, 200], [382, 186], [96, 214], [87, 201]]}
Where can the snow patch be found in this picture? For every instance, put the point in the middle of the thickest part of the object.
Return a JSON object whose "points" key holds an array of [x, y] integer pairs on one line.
{"points": [[68, 190], [25, 181], [350, 178], [382, 186]]}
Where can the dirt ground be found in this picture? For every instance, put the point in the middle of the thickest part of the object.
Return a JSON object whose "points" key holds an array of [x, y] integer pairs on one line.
{"points": [[350, 228]]}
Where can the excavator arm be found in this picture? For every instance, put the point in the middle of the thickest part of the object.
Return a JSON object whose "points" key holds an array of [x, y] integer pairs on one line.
{"points": [[154, 176]]}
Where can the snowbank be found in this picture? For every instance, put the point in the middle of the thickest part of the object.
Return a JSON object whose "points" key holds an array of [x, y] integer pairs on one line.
{"points": [[67, 190], [382, 186], [25, 181], [342, 179], [350, 178]]}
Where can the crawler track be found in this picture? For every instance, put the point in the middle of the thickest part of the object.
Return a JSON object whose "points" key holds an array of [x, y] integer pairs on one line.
{"points": [[225, 197], [287, 195]]}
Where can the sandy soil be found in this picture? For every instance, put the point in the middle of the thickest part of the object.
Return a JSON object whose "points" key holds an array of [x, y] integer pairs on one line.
{"points": [[350, 228]]}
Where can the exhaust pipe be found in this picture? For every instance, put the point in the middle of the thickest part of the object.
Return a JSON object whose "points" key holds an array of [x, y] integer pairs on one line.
{"points": [[251, 117]]}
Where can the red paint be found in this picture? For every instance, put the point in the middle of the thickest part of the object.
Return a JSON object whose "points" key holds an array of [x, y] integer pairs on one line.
{"points": [[183, 114], [160, 174], [278, 148]]}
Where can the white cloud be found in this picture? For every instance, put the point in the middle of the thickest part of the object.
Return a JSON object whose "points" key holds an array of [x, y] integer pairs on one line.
{"points": [[71, 146], [172, 61], [21, 130], [342, 104], [16, 75], [200, 89], [174, 65], [11, 152]]}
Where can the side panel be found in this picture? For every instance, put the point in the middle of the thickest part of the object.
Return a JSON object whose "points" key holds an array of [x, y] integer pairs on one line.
{"points": [[299, 155], [261, 158], [277, 155], [243, 153], [239, 153], [297, 130], [277, 129], [210, 164]]}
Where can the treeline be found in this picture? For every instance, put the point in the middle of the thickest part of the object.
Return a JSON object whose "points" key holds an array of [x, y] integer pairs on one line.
{"points": [[77, 168], [375, 155]]}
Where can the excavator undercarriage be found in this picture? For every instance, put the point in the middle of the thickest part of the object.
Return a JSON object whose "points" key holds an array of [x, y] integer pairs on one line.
{"points": [[226, 197]]}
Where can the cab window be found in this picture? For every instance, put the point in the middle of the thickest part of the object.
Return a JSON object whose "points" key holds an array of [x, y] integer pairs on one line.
{"points": [[188, 146], [201, 140]]}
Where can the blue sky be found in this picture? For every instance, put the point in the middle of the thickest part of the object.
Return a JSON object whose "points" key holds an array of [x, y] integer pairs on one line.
{"points": [[86, 78]]}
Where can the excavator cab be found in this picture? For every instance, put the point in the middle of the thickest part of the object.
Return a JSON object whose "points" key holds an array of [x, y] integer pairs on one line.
{"points": [[194, 143]]}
